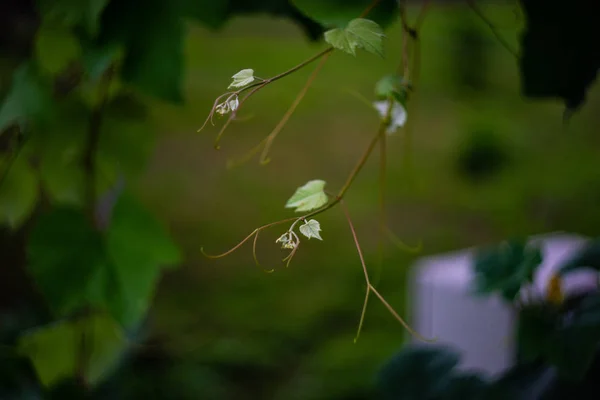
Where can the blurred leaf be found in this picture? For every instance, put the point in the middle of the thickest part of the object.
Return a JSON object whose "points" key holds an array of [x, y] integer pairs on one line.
{"points": [[67, 259], [466, 387], [392, 86], [55, 349], [560, 63], [210, 13], [360, 33], [55, 47], [28, 99], [308, 197], [18, 189], [338, 13], [524, 381], [418, 372], [568, 340], [139, 248], [153, 57], [587, 257], [73, 13], [505, 268]]}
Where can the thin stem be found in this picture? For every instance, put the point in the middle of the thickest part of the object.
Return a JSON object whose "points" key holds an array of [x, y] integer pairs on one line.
{"points": [[400, 244], [271, 137], [382, 192], [91, 146], [237, 246], [299, 66], [371, 288], [256, 257], [473, 5]]}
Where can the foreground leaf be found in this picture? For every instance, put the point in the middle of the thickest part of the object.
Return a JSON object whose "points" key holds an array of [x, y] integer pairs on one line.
{"points": [[338, 13], [360, 33], [505, 268], [18, 190], [311, 228], [560, 63], [54, 349], [308, 197], [73, 13]]}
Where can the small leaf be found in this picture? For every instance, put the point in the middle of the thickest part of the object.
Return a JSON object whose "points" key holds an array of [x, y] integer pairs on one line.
{"points": [[392, 86], [397, 118], [55, 48], [242, 78], [308, 197], [311, 228], [360, 33]]}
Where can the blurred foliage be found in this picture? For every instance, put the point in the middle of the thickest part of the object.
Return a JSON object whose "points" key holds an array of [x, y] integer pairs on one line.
{"points": [[558, 349], [82, 86], [506, 268]]}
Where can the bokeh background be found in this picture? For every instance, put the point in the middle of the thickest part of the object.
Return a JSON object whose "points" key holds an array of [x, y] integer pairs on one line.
{"points": [[484, 164]]}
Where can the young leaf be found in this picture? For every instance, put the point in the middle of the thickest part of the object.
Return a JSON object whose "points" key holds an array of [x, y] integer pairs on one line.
{"points": [[311, 228], [360, 33], [308, 197], [242, 78]]}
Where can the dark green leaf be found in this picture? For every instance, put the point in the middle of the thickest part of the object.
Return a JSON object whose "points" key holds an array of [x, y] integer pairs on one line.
{"points": [[29, 99], [73, 13], [560, 63], [18, 189], [418, 372], [505, 267], [68, 262], [153, 57], [138, 247], [54, 349], [568, 340], [338, 13]]}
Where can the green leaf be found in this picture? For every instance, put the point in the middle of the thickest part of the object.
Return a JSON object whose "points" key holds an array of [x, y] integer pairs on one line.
{"points": [[153, 60], [424, 372], [55, 48], [242, 78], [566, 338], [68, 262], [18, 189], [338, 13], [505, 268], [73, 13], [560, 63], [308, 197], [392, 86], [311, 228], [54, 349], [360, 33], [29, 99], [138, 247]]}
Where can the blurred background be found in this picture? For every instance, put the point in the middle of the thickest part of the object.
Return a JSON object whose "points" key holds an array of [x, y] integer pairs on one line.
{"points": [[484, 164]]}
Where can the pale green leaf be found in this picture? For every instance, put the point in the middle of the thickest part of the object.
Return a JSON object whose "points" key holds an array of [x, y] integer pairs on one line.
{"points": [[366, 34], [360, 33], [308, 197], [311, 229], [53, 349], [338, 38], [242, 78]]}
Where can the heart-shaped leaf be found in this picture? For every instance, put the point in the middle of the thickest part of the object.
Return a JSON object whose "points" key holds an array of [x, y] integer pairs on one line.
{"points": [[308, 197]]}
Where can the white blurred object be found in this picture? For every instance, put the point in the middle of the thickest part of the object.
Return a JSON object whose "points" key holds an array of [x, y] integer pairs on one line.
{"points": [[480, 328]]}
